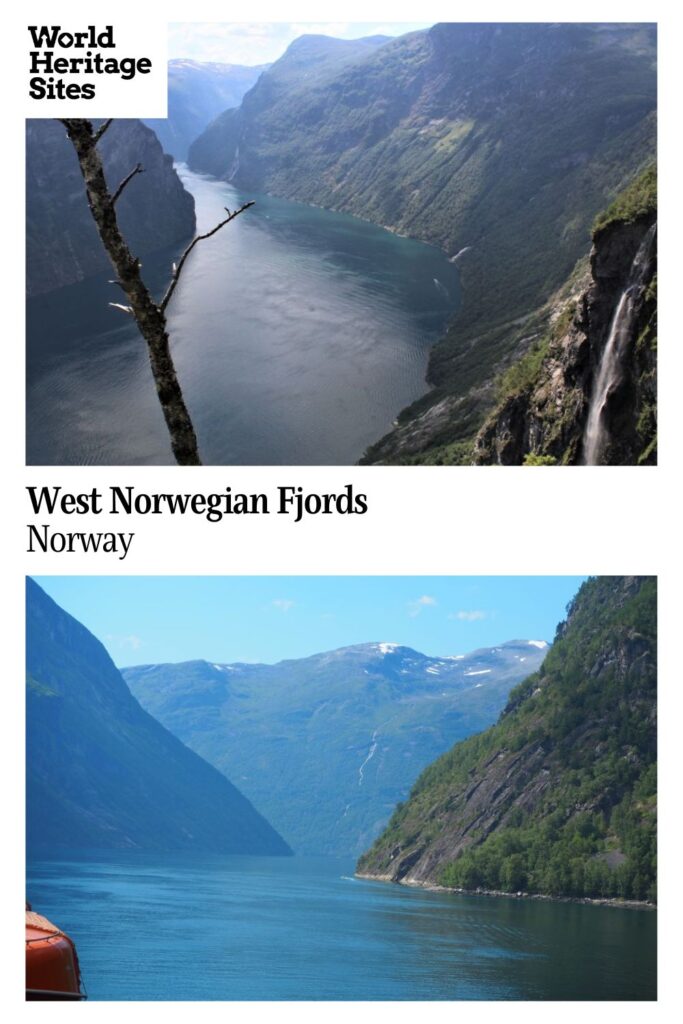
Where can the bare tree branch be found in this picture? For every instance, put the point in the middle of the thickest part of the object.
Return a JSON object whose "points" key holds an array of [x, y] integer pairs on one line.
{"points": [[148, 314], [138, 169], [101, 130], [177, 268]]}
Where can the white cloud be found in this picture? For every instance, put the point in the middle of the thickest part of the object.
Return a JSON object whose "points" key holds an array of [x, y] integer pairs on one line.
{"points": [[282, 604], [131, 642], [254, 43], [468, 616], [415, 607]]}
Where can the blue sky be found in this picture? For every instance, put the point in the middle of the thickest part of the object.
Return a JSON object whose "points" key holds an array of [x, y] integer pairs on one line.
{"points": [[263, 42], [143, 619]]}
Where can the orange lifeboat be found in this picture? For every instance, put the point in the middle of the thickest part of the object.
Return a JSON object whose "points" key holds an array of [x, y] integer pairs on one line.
{"points": [[52, 970]]}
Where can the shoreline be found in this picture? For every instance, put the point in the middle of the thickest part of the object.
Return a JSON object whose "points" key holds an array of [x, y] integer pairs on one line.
{"points": [[598, 901]]}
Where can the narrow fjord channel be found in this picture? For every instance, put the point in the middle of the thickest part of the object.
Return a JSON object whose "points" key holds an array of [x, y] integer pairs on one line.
{"points": [[188, 926], [298, 335]]}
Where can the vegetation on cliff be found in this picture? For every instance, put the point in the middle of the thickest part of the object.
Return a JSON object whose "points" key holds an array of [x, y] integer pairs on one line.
{"points": [[543, 398], [498, 143], [559, 797], [636, 201]]}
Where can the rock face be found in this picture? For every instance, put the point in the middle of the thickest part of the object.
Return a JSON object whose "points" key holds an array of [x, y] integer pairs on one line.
{"points": [[252, 143], [63, 246], [103, 773], [545, 799], [599, 368], [498, 143], [198, 91], [325, 746]]}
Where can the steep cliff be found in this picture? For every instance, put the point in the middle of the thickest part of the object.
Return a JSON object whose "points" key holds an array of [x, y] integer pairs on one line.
{"points": [[198, 91], [586, 390], [498, 143], [559, 797], [101, 772], [62, 244]]}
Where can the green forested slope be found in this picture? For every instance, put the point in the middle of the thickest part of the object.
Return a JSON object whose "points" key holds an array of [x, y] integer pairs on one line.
{"points": [[500, 140], [559, 797]]}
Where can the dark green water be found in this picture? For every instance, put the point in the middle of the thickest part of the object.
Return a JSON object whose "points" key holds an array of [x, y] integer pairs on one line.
{"points": [[298, 336], [191, 927]]}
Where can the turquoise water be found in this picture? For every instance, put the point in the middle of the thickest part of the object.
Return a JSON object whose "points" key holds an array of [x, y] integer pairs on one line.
{"points": [[298, 335], [149, 926]]}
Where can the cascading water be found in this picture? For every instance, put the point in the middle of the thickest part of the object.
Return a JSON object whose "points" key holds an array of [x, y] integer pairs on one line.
{"points": [[610, 369]]}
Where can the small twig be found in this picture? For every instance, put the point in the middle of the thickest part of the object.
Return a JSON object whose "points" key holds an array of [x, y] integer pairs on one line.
{"points": [[124, 309], [199, 238], [101, 130], [138, 169]]}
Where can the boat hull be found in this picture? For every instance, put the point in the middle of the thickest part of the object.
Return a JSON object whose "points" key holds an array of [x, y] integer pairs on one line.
{"points": [[52, 971]]}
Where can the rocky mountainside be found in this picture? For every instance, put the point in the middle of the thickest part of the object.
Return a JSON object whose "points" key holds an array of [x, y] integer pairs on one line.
{"points": [[586, 392], [103, 773], [498, 143], [240, 144], [559, 797], [198, 91], [62, 244], [326, 745]]}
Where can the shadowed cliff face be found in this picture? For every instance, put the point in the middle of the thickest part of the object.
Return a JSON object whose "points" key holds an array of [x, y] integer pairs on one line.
{"points": [[62, 244], [198, 91], [611, 319], [101, 772], [563, 788]]}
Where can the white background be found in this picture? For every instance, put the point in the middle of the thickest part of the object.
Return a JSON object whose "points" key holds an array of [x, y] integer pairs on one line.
{"points": [[421, 520], [144, 95]]}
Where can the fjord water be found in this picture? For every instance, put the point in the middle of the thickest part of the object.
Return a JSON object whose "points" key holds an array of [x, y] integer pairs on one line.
{"points": [[298, 335], [195, 927]]}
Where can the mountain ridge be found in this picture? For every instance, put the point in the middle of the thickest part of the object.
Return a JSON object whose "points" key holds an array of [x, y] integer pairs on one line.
{"points": [[473, 138], [197, 92], [294, 735]]}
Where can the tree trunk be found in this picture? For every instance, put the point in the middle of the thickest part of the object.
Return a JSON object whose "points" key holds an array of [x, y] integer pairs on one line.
{"points": [[149, 316]]}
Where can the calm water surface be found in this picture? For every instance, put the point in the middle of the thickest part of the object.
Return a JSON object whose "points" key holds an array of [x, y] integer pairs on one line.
{"points": [[191, 927], [298, 336]]}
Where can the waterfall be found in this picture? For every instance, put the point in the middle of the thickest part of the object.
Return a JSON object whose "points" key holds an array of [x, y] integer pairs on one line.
{"points": [[610, 369]]}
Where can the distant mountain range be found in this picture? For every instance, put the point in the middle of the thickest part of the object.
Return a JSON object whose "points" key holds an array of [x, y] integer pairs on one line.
{"points": [[500, 143], [559, 797], [197, 92], [101, 772], [325, 746]]}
